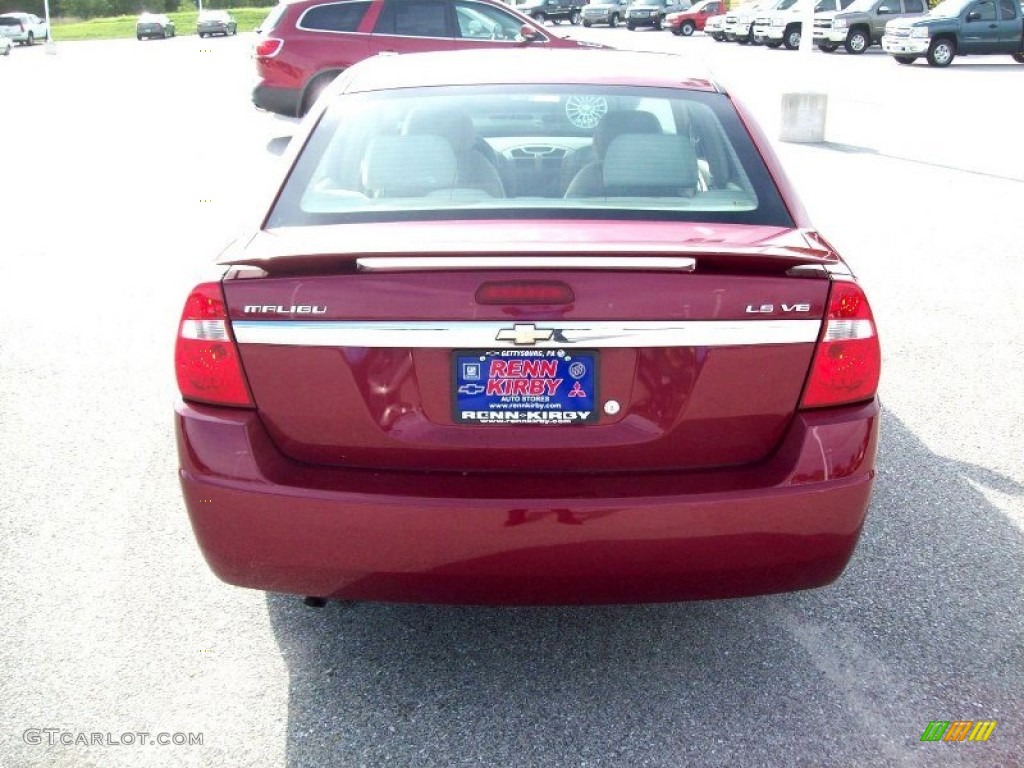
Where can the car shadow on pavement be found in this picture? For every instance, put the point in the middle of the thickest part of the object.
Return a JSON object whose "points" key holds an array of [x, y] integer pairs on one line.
{"points": [[926, 624]]}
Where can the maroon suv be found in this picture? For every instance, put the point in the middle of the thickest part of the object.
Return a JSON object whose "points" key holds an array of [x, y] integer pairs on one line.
{"points": [[305, 44]]}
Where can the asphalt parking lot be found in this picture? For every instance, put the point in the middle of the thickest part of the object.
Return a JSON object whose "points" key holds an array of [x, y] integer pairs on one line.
{"points": [[126, 166]]}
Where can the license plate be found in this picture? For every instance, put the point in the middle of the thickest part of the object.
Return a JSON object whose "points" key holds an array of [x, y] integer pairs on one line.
{"points": [[524, 386]]}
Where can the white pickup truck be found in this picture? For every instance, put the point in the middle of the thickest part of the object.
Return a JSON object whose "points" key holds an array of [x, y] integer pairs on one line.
{"points": [[783, 25], [24, 28]]}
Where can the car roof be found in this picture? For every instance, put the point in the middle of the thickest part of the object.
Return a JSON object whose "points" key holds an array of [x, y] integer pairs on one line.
{"points": [[529, 66]]}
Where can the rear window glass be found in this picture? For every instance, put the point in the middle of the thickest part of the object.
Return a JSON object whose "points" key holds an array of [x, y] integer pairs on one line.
{"points": [[336, 17], [10, 23], [530, 152]]}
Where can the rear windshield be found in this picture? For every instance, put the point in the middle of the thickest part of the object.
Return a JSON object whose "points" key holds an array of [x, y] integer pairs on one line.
{"points": [[10, 22], [530, 152]]}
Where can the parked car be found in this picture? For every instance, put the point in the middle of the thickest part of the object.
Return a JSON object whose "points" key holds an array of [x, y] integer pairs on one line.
{"points": [[302, 46], [738, 22], [714, 28], [652, 13], [24, 28], [553, 10], [783, 25], [152, 25], [216, 23], [5, 45], [862, 24], [693, 19], [610, 13], [958, 28], [423, 379]]}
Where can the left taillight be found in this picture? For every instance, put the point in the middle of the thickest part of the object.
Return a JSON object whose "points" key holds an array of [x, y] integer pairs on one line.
{"points": [[269, 47], [206, 360]]}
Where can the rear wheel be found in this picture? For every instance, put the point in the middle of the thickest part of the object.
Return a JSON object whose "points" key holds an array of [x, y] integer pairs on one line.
{"points": [[792, 38], [687, 28], [614, 21], [1018, 57], [586, 23], [538, 17], [827, 47], [314, 90], [138, 37], [575, 16], [905, 59], [857, 41], [31, 39], [630, 26], [941, 52], [657, 24]]}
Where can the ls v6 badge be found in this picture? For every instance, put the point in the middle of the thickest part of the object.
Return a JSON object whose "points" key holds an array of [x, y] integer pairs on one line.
{"points": [[767, 309]]}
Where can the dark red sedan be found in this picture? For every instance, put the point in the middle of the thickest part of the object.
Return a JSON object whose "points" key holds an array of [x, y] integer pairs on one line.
{"points": [[523, 327]]}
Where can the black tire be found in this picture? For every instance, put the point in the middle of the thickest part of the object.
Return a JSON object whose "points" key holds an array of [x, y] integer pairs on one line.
{"points": [[657, 24], [587, 23], [905, 59], [614, 21], [718, 37], [163, 34], [687, 28], [791, 38], [1018, 57], [630, 26], [202, 35], [31, 39], [827, 47], [941, 52], [316, 85], [857, 41], [538, 17], [575, 17], [773, 43], [138, 37]]}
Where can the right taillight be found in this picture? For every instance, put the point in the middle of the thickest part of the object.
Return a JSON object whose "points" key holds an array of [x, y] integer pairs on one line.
{"points": [[268, 47], [848, 359], [206, 360]]}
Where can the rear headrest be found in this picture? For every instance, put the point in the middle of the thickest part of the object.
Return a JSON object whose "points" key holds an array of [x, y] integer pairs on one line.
{"points": [[408, 166], [645, 164], [617, 123], [451, 124]]}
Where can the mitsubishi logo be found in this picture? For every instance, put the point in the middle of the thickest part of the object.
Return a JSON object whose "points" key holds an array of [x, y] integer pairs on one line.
{"points": [[522, 334]]}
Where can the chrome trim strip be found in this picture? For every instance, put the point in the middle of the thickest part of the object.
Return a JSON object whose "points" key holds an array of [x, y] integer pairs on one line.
{"points": [[441, 334], [425, 263]]}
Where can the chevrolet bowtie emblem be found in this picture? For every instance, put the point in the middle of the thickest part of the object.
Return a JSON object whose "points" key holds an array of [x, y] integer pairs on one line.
{"points": [[522, 334]]}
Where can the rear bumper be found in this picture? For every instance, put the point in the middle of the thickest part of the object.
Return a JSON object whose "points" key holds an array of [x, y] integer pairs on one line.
{"points": [[281, 101], [266, 522]]}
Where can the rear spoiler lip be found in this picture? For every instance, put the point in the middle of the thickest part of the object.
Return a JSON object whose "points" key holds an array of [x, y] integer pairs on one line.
{"points": [[798, 248]]}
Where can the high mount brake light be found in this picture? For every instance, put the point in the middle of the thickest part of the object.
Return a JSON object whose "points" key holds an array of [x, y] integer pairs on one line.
{"points": [[524, 292], [848, 360], [206, 360]]}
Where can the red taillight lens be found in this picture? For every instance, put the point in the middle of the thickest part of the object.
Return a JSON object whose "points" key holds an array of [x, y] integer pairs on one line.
{"points": [[524, 292], [205, 357], [848, 360], [271, 46]]}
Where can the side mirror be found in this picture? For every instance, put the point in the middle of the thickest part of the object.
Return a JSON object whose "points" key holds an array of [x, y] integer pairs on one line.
{"points": [[278, 145], [528, 33], [973, 16]]}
